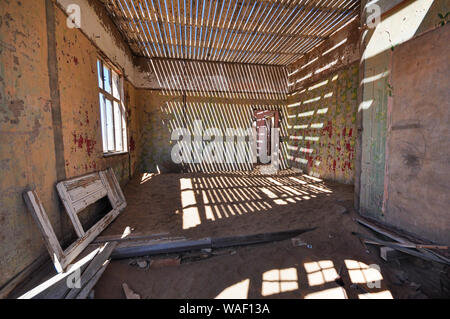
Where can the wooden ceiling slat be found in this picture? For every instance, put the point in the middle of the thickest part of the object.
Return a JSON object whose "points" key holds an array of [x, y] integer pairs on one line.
{"points": [[305, 47], [241, 31]]}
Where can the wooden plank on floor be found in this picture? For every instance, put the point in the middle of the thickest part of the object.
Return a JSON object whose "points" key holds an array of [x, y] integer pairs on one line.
{"points": [[55, 286], [429, 253], [402, 249], [135, 236], [256, 238], [93, 268], [382, 231], [155, 248], [84, 293], [17, 280]]}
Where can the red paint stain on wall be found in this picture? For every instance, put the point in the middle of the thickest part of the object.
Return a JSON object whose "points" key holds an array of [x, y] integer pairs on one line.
{"points": [[348, 147], [80, 142], [329, 129], [90, 146]]}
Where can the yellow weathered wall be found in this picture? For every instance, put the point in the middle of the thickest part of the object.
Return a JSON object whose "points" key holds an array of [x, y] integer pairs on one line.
{"points": [[27, 157], [27, 130], [80, 112]]}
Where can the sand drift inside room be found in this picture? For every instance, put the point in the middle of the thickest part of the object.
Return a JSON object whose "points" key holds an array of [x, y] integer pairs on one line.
{"points": [[224, 149]]}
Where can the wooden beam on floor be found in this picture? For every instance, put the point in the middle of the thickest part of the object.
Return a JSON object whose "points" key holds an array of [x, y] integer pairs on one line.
{"points": [[256, 238], [120, 238], [155, 247]]}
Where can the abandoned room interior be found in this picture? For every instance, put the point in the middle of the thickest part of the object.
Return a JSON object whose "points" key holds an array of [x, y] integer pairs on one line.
{"points": [[214, 149]]}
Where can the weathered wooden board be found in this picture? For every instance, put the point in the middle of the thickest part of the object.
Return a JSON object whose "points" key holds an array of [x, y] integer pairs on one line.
{"points": [[87, 289], [34, 205], [77, 194], [402, 249], [25, 274], [154, 248], [129, 294], [256, 238], [89, 273], [425, 251], [51, 286], [134, 236]]}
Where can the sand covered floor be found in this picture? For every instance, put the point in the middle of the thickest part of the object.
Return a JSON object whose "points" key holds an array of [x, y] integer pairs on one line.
{"points": [[215, 205]]}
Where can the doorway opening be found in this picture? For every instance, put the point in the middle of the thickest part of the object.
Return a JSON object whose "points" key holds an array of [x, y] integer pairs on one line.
{"points": [[264, 122]]}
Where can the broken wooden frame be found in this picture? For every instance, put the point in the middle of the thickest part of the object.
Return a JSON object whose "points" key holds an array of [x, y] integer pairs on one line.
{"points": [[77, 194]]}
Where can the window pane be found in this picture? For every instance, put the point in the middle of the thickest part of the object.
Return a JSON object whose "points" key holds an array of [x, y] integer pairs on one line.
{"points": [[116, 86], [99, 72], [112, 116], [118, 126], [107, 77], [109, 125], [103, 122]]}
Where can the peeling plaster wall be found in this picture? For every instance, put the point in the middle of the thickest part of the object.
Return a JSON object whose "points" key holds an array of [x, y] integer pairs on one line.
{"points": [[77, 66], [28, 135], [322, 108], [98, 27], [27, 152], [80, 112], [323, 127], [377, 91]]}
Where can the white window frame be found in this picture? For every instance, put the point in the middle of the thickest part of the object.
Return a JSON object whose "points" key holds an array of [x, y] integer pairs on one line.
{"points": [[117, 143]]}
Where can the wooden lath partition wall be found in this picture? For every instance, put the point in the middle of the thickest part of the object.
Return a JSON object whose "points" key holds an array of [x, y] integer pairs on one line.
{"points": [[200, 78], [253, 31]]}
